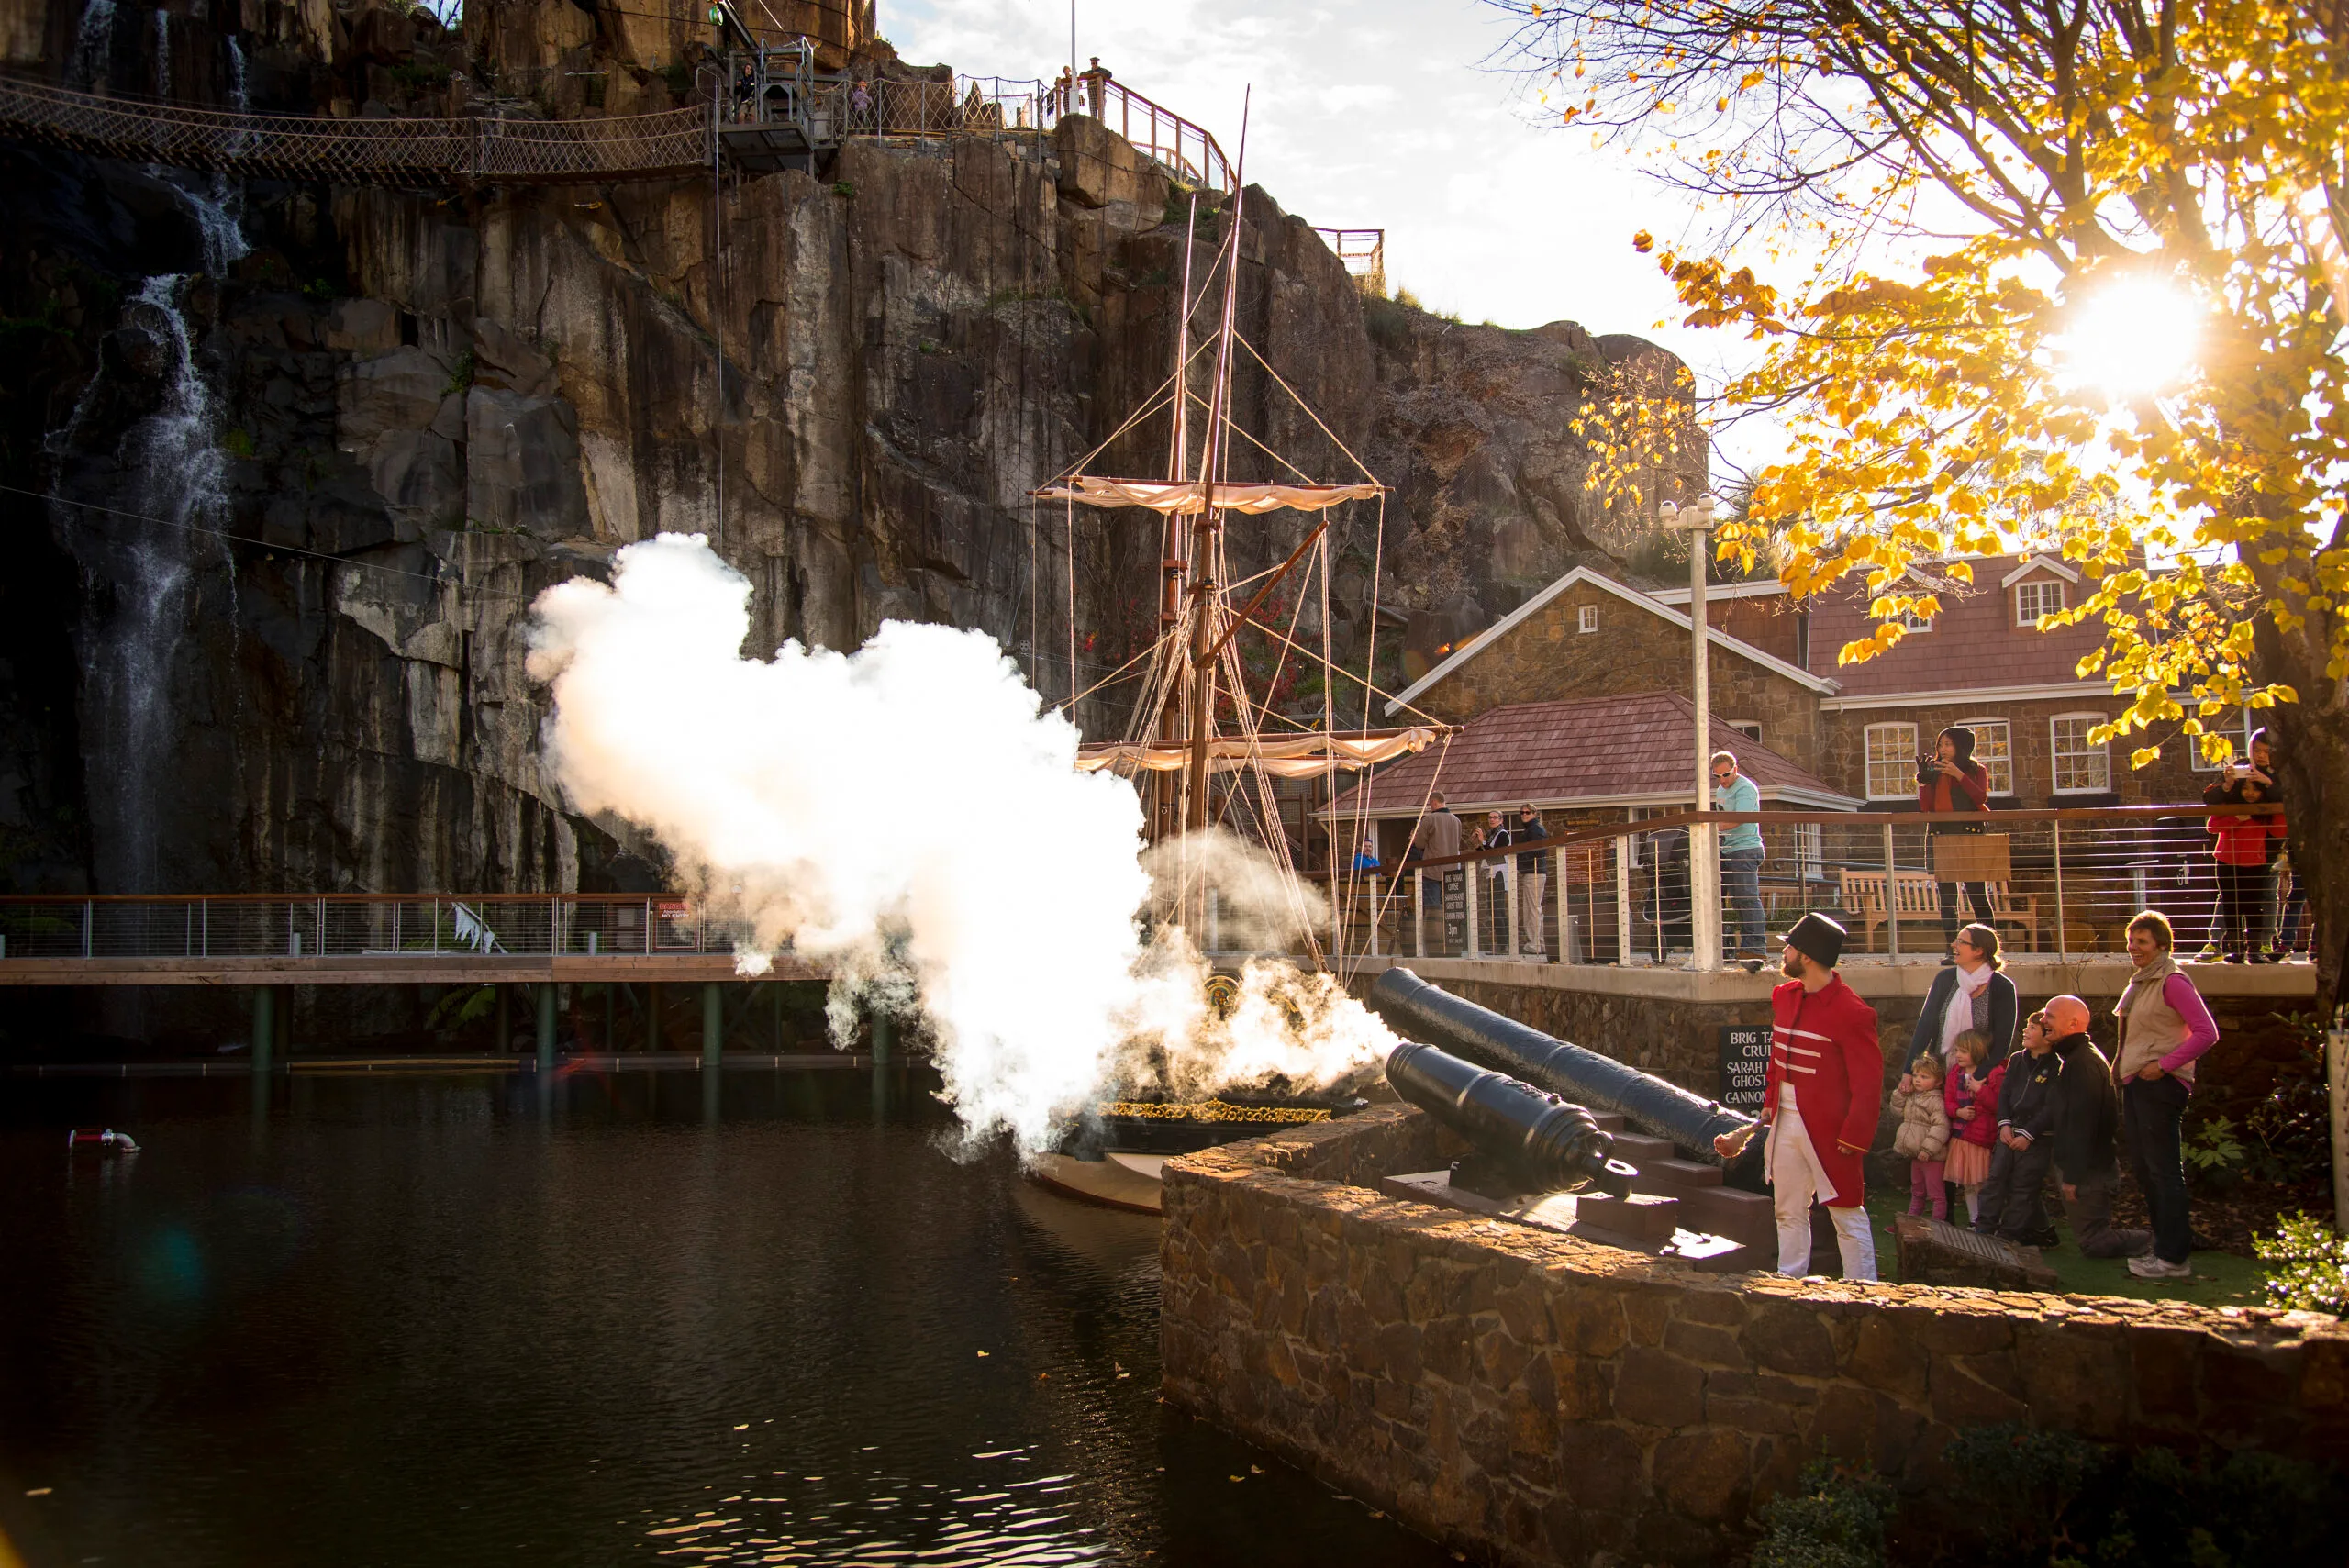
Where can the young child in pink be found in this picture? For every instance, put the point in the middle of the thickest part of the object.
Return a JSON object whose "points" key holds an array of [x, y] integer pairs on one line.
{"points": [[1971, 1098], [1923, 1136]]}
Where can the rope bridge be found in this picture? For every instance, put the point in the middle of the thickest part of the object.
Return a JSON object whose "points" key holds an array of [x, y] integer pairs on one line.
{"points": [[358, 151]]}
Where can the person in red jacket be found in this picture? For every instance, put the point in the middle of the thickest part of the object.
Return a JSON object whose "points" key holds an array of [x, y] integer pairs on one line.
{"points": [[2241, 846], [1951, 779], [1821, 1100]]}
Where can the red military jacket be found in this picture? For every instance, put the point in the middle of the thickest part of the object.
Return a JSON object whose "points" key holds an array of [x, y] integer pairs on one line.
{"points": [[1825, 1044]]}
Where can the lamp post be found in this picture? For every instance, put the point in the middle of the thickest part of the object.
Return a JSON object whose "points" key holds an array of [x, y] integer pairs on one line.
{"points": [[1696, 519]]}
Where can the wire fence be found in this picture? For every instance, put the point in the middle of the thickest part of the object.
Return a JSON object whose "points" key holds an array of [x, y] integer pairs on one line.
{"points": [[1364, 252], [355, 925], [2060, 885]]}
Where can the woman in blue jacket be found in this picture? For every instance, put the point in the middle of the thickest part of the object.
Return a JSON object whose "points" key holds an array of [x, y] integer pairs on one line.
{"points": [[1971, 994]]}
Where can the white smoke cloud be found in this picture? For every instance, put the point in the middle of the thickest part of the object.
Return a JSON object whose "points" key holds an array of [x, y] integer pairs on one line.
{"points": [[908, 814]]}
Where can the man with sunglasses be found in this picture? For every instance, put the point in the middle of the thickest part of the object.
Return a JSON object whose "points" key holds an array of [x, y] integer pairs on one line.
{"points": [[1741, 856]]}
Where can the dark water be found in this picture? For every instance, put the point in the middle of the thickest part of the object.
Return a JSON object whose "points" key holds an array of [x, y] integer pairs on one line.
{"points": [[436, 1321]]}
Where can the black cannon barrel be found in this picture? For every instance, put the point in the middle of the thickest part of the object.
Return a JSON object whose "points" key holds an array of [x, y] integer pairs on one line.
{"points": [[1546, 1144], [1486, 1038]]}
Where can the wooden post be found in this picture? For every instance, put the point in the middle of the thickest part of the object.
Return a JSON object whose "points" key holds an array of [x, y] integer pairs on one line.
{"points": [[1623, 899], [2063, 938], [264, 1040], [546, 1025], [652, 1014], [503, 1037], [881, 1032], [1372, 918], [713, 1023], [1475, 870]]}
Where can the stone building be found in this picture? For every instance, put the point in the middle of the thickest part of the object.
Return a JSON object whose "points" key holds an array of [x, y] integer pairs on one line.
{"points": [[1982, 661]]}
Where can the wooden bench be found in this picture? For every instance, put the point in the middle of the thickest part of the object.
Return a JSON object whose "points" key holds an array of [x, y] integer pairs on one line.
{"points": [[1916, 899], [2010, 908]]}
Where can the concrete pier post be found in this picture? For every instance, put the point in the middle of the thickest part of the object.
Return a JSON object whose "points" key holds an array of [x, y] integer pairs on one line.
{"points": [[713, 1023], [652, 1014], [502, 1027], [881, 1042], [546, 1025], [264, 1041]]}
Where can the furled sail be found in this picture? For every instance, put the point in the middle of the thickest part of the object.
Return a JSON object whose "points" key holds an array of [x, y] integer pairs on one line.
{"points": [[1287, 756], [1188, 498]]}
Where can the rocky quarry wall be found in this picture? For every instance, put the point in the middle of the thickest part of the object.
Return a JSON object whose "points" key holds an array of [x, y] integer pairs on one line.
{"points": [[288, 462], [1527, 1397]]}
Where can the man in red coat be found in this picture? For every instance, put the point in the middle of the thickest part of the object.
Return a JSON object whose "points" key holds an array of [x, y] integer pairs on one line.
{"points": [[1820, 1101]]}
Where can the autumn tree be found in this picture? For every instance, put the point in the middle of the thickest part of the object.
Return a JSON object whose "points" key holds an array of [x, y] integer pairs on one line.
{"points": [[1984, 194]]}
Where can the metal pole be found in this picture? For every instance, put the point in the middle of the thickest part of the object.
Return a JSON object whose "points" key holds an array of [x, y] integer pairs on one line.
{"points": [[1476, 870], [87, 916], [2063, 938], [1891, 900], [1703, 858]]}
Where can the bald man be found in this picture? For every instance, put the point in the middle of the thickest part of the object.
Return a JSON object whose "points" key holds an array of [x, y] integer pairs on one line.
{"points": [[2087, 1113]]}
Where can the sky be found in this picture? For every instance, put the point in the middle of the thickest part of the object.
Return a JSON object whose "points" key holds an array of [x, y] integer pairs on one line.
{"points": [[1385, 113]]}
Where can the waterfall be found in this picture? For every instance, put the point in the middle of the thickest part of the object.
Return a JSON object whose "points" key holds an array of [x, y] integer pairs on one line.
{"points": [[167, 471], [93, 42], [239, 99]]}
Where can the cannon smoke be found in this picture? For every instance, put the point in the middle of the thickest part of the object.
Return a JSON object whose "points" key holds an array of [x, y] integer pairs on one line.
{"points": [[909, 815]]}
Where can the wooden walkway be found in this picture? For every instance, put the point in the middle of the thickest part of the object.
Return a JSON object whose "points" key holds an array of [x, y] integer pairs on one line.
{"points": [[395, 969]]}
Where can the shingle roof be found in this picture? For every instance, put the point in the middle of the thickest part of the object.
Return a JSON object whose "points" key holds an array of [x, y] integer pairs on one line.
{"points": [[1974, 641], [1607, 750]]}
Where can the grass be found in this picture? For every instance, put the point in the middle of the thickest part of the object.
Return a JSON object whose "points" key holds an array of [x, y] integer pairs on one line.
{"points": [[2222, 1279]]}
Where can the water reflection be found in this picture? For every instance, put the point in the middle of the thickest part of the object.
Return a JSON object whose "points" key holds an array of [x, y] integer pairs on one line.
{"points": [[618, 1318]]}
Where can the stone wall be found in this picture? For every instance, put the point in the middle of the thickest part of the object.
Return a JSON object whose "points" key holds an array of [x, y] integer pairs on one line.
{"points": [[1527, 1397]]}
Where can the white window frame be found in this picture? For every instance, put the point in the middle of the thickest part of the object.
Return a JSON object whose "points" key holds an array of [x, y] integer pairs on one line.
{"points": [[1913, 623], [2240, 733], [1809, 856], [2035, 588], [1587, 618], [2055, 755], [1749, 727], [1907, 758], [1980, 725]]}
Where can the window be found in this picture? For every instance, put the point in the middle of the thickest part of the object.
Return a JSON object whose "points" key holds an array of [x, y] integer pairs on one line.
{"points": [[1993, 749], [2034, 600], [1749, 727], [1892, 761], [1588, 619], [1911, 621], [2081, 766], [2237, 729], [1809, 859]]}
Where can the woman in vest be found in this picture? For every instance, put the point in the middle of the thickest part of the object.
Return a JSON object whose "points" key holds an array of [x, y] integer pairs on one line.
{"points": [[1969, 995], [2163, 1027]]}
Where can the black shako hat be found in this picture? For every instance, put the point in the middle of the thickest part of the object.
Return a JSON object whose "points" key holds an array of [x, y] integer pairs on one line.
{"points": [[1818, 937]]}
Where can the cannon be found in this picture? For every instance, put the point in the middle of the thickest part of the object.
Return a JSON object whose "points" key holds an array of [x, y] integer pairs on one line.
{"points": [[1533, 1141], [1665, 1110]]}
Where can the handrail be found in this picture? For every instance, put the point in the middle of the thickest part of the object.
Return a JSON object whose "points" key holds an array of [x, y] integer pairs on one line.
{"points": [[1790, 818], [341, 897], [1363, 252], [1185, 150]]}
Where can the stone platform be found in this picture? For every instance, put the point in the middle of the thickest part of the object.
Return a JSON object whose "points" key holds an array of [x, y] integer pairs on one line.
{"points": [[1526, 1397]]}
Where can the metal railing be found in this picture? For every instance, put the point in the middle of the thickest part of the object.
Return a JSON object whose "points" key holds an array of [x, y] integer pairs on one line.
{"points": [[349, 925], [1364, 252], [2060, 885]]}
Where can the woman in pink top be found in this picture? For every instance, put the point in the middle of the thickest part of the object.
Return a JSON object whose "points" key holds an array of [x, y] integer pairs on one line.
{"points": [[2164, 1029]]}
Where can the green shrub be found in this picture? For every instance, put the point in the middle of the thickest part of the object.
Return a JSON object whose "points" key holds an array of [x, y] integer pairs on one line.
{"points": [[2308, 1265], [1837, 1520]]}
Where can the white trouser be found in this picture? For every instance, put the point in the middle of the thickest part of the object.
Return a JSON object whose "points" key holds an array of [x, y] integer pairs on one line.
{"points": [[1531, 886], [1796, 1181]]}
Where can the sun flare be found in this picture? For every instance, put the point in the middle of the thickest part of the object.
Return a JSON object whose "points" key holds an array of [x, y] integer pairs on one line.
{"points": [[2133, 337]]}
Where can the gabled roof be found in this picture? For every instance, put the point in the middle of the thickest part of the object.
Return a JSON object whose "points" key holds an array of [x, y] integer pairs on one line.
{"points": [[1972, 651], [1602, 751], [1629, 596], [2032, 564]]}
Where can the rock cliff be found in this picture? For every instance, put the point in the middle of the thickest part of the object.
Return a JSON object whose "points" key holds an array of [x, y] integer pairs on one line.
{"points": [[288, 462]]}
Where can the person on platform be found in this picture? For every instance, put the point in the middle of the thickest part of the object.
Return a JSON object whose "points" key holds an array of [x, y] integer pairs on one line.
{"points": [[1496, 903], [2013, 1207], [1951, 779], [2290, 889], [2165, 1027], [2087, 1114], [1821, 1100], [1438, 840], [2242, 854], [1971, 994], [1742, 855], [1533, 879]]}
